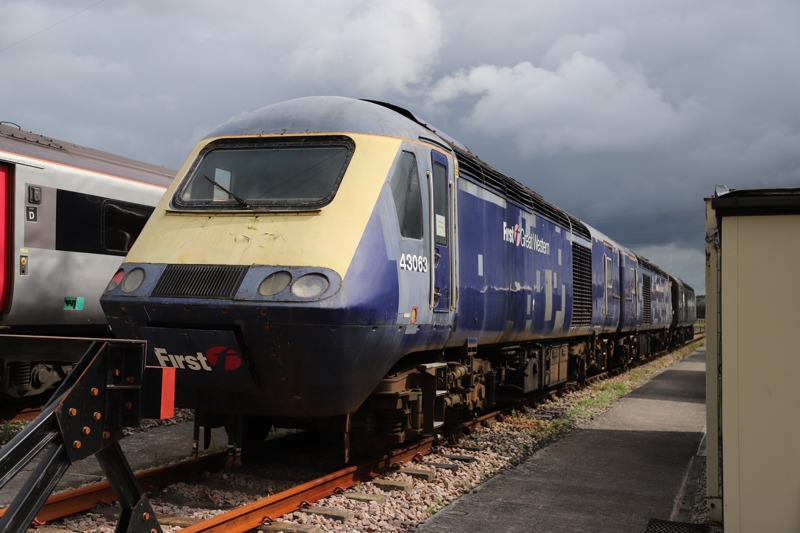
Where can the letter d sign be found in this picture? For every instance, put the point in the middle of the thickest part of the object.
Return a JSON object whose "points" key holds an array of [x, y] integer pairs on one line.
{"points": [[32, 213]]}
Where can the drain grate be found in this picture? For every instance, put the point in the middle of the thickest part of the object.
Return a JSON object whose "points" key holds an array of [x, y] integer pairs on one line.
{"points": [[664, 526]]}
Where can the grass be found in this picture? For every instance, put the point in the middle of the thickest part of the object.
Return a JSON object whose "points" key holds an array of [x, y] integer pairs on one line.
{"points": [[597, 398], [9, 429]]}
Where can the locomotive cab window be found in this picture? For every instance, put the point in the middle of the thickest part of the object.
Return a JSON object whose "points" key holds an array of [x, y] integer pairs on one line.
{"points": [[280, 174], [407, 196]]}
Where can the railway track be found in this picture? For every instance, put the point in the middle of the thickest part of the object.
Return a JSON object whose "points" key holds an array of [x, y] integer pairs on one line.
{"points": [[25, 414], [266, 510]]}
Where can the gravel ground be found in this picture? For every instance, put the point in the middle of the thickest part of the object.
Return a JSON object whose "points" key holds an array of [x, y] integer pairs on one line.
{"points": [[699, 514], [501, 446]]}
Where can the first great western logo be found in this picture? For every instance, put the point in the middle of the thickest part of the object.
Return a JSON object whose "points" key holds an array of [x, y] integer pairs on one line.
{"points": [[215, 358], [517, 235]]}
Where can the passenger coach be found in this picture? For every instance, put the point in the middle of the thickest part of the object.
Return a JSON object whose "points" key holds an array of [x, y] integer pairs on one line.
{"points": [[68, 215]]}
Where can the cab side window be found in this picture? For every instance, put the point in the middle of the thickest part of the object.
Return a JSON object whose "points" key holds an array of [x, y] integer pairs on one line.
{"points": [[407, 196]]}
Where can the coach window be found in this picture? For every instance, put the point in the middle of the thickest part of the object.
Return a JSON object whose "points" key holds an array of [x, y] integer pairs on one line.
{"points": [[122, 223], [407, 196]]}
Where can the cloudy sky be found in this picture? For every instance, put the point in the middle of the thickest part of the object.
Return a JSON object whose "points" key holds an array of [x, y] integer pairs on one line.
{"points": [[626, 113]]}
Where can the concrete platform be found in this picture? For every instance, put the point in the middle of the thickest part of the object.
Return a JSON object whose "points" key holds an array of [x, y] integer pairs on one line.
{"points": [[611, 475]]}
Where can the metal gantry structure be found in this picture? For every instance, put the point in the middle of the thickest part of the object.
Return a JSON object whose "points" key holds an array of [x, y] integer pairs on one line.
{"points": [[84, 417]]}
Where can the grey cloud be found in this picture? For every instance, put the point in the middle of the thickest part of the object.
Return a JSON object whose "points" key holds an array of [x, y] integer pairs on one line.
{"points": [[608, 109]]}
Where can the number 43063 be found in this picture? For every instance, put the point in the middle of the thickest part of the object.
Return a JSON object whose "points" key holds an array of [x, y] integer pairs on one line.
{"points": [[414, 263]]}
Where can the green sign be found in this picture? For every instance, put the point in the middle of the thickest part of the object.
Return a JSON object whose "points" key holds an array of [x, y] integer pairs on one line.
{"points": [[73, 303]]}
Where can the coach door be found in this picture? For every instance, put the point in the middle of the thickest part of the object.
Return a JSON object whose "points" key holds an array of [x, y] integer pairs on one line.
{"points": [[441, 238], [6, 237], [608, 288]]}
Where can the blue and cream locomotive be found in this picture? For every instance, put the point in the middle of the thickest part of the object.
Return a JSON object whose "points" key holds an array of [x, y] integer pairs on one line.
{"points": [[340, 262]]}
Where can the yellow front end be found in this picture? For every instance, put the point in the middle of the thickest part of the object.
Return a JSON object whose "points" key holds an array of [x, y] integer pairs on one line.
{"points": [[326, 237]]}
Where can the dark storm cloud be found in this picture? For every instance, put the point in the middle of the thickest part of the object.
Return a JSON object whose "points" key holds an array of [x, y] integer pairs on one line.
{"points": [[625, 113]]}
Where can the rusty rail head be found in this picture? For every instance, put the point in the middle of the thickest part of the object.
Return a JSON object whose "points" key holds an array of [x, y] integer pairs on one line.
{"points": [[252, 515]]}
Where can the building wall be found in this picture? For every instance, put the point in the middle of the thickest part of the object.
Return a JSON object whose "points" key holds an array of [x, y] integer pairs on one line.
{"points": [[760, 322]]}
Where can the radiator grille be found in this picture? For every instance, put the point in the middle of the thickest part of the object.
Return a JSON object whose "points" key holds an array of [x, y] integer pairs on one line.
{"points": [[647, 310], [581, 286], [200, 281]]}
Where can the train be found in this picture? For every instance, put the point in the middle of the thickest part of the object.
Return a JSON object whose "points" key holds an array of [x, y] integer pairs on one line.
{"points": [[342, 264], [68, 216]]}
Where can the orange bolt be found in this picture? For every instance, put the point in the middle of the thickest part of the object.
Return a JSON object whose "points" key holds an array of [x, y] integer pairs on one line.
{"points": [[97, 416], [76, 444], [86, 430], [117, 372], [94, 391], [130, 379], [73, 412], [106, 435], [128, 405], [146, 516]]}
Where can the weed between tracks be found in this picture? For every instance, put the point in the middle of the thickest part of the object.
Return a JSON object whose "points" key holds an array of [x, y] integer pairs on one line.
{"points": [[9, 429], [584, 405]]}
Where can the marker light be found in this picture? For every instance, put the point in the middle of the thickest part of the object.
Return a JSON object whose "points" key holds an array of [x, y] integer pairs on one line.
{"points": [[310, 285], [133, 280], [274, 283], [115, 281]]}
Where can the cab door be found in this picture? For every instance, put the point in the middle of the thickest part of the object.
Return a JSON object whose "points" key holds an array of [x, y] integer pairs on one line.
{"points": [[441, 237]]}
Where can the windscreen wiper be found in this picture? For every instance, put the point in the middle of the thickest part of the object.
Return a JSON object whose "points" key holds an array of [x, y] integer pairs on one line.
{"points": [[244, 203]]}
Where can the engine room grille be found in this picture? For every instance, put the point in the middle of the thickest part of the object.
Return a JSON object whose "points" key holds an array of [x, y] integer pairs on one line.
{"points": [[581, 285], [200, 281], [647, 310]]}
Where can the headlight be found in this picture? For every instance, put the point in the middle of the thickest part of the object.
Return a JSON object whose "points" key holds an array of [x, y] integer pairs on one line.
{"points": [[115, 281], [310, 285], [133, 280], [274, 283]]}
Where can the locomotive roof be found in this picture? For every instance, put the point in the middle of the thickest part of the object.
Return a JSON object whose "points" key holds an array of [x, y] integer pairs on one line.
{"points": [[14, 140], [325, 114]]}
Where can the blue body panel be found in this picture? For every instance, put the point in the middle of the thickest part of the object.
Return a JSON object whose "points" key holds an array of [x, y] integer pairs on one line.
{"points": [[515, 275]]}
